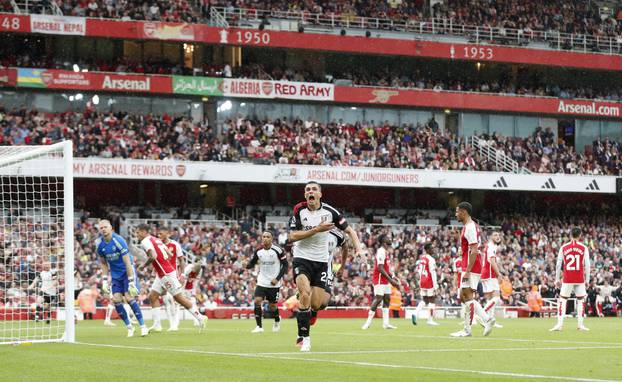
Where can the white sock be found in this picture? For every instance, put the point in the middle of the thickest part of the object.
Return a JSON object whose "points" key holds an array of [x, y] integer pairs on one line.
{"points": [[109, 311], [385, 316], [490, 306], [420, 306], [168, 309], [176, 314], [469, 313], [156, 312], [561, 311], [431, 307], [370, 317], [462, 310], [480, 311], [580, 312], [195, 313]]}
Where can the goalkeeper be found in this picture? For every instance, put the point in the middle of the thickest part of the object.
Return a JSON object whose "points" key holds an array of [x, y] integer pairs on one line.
{"points": [[119, 272]]}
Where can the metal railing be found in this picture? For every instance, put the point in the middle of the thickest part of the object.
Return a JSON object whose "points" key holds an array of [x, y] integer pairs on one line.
{"points": [[244, 17], [217, 19], [15, 7], [36, 6], [240, 214], [502, 161]]}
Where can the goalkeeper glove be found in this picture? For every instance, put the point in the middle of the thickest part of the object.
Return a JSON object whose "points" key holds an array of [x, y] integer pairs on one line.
{"points": [[132, 289], [105, 287]]}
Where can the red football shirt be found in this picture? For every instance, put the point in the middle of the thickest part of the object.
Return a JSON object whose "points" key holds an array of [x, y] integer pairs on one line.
{"points": [[161, 263], [470, 235], [381, 260], [574, 256]]}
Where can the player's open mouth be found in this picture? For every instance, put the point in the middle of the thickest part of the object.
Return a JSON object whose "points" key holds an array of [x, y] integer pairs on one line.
{"points": [[311, 197]]}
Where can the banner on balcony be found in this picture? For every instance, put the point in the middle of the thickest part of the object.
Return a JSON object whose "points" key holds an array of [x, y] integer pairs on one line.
{"points": [[347, 176], [63, 25]]}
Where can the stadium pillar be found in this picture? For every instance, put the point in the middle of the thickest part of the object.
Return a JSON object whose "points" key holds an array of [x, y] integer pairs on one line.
{"points": [[158, 194], [288, 194], [194, 194], [514, 73], [210, 114], [141, 192], [273, 198], [477, 199]]}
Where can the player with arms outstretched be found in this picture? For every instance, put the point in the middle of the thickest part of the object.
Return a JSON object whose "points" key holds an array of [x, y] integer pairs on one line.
{"points": [[471, 272], [118, 268], [382, 279], [490, 275], [176, 256], [166, 280], [272, 262], [573, 269], [309, 228], [428, 283]]}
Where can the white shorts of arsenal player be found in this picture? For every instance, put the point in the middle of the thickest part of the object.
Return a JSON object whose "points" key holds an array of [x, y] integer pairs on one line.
{"points": [[490, 285], [428, 292], [567, 289], [471, 283], [382, 289], [169, 283]]}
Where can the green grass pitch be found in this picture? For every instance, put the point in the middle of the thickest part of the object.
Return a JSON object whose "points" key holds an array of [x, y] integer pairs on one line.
{"points": [[226, 351]]}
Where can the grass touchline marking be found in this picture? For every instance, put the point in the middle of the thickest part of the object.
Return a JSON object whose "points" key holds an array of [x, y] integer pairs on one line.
{"points": [[483, 339], [453, 350], [354, 363]]}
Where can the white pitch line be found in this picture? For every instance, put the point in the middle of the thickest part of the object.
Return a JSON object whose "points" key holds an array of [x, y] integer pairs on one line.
{"points": [[454, 350], [355, 363], [448, 337], [205, 330]]}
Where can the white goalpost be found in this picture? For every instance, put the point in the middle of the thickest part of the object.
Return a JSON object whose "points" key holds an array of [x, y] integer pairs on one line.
{"points": [[36, 244]]}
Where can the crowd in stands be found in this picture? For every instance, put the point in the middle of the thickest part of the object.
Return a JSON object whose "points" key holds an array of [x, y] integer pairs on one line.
{"points": [[28, 244], [528, 16], [543, 153], [421, 146], [527, 259], [120, 65], [573, 17], [416, 79], [155, 10], [419, 80]]}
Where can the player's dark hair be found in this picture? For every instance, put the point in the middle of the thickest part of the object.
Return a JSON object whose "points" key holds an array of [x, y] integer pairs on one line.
{"points": [[466, 206], [428, 247], [144, 227], [313, 182], [576, 232], [270, 232], [384, 239]]}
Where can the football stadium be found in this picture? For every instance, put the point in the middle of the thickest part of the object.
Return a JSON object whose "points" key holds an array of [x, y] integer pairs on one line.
{"points": [[248, 190]]}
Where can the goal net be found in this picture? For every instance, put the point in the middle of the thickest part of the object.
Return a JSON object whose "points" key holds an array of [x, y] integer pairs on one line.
{"points": [[36, 244]]}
